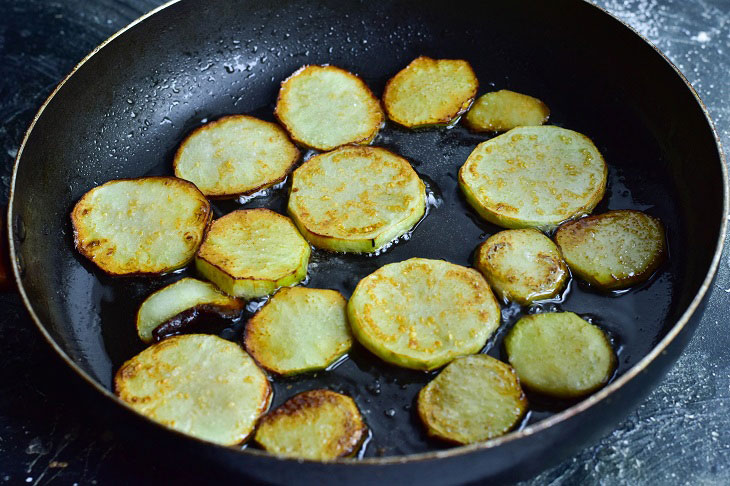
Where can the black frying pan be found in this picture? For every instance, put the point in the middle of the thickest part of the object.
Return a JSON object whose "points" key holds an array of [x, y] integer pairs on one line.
{"points": [[126, 107]]}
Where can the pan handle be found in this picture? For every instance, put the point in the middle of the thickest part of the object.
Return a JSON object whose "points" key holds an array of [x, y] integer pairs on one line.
{"points": [[6, 277]]}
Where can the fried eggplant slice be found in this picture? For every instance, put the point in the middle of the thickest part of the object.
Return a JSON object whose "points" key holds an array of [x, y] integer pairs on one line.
{"points": [[317, 424], [235, 156], [198, 384], [323, 107], [250, 253], [144, 226], [421, 313], [177, 304], [356, 199], [474, 398], [300, 329], [614, 250], [522, 265], [430, 92], [534, 177], [559, 354], [504, 110]]}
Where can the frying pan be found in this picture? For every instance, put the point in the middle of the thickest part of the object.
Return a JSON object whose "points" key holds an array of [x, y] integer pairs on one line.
{"points": [[124, 109]]}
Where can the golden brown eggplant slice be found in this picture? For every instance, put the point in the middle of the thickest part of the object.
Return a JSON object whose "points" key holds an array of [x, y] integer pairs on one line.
{"points": [[317, 424], [522, 265], [534, 177], [613, 250], [422, 313], [198, 384], [430, 92], [149, 225], [560, 354], [474, 398], [299, 329], [504, 110], [356, 199], [250, 253], [323, 107], [234, 156]]}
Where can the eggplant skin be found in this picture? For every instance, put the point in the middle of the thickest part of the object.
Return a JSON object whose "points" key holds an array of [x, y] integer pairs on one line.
{"points": [[356, 199], [430, 92], [145, 226], [323, 107], [422, 313], [299, 329], [522, 265], [534, 177], [474, 398], [504, 110], [197, 384], [171, 309], [560, 354], [317, 424], [250, 253], [613, 250], [235, 156]]}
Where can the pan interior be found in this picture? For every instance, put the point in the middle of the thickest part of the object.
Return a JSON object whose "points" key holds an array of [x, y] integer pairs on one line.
{"points": [[125, 111]]}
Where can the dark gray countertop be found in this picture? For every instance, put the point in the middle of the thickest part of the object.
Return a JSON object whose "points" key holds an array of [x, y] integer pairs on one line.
{"points": [[679, 435]]}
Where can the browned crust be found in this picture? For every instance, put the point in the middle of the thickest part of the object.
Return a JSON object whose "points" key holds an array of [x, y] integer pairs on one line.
{"points": [[81, 249], [253, 324], [621, 283], [445, 121], [291, 133], [355, 428], [202, 241], [221, 120]]}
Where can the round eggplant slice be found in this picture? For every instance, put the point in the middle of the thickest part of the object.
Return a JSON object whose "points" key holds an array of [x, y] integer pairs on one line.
{"points": [[299, 329], [430, 92], [234, 156], [559, 354], [422, 313], [198, 384], [323, 107], [144, 226], [317, 424], [356, 199], [250, 253], [522, 265], [614, 250], [177, 304], [504, 110], [474, 398], [534, 177]]}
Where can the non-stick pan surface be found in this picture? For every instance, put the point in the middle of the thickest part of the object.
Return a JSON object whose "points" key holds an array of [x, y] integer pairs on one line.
{"points": [[123, 112]]}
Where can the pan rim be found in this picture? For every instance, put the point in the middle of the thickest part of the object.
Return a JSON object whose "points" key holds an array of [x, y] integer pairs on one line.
{"points": [[532, 429]]}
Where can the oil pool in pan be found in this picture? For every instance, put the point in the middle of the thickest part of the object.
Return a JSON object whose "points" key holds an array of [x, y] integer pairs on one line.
{"points": [[451, 230]]}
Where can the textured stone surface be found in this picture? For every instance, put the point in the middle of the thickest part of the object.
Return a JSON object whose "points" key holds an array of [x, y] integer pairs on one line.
{"points": [[680, 434]]}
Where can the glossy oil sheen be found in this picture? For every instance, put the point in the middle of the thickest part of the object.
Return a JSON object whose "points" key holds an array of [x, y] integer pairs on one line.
{"points": [[196, 61], [451, 231]]}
